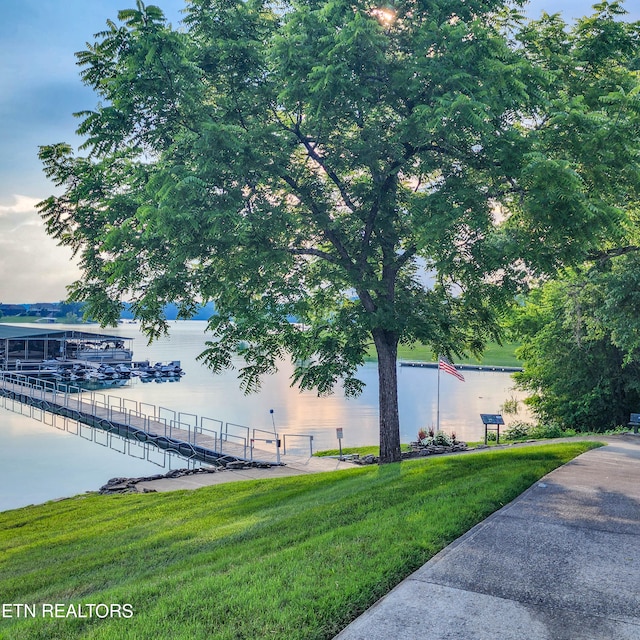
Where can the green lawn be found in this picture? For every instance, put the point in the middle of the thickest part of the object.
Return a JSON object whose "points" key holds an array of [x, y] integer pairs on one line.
{"points": [[361, 451], [292, 558], [494, 355], [19, 319]]}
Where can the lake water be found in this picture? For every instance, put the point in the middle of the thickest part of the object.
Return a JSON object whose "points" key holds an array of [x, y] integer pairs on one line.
{"points": [[39, 462]]}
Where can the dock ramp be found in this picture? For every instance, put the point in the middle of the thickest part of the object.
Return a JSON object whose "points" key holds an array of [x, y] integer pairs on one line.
{"points": [[193, 437]]}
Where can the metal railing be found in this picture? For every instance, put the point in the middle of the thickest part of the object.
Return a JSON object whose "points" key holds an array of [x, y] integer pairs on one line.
{"points": [[271, 439], [106, 411], [107, 438], [296, 435]]}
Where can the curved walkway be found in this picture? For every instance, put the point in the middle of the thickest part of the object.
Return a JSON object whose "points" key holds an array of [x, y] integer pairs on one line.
{"points": [[561, 562]]}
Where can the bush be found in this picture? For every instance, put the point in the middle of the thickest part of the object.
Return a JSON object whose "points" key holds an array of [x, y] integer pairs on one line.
{"points": [[439, 438], [519, 431], [526, 430], [580, 348], [442, 439], [552, 430]]}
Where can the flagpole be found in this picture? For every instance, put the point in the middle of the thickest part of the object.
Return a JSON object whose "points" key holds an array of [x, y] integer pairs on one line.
{"points": [[438, 405], [443, 363]]}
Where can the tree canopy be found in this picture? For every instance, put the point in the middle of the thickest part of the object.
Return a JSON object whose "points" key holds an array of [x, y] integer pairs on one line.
{"points": [[377, 173], [580, 348]]}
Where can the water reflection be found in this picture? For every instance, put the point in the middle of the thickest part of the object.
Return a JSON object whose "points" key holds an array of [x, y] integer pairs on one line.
{"points": [[39, 462], [303, 412], [36, 454]]}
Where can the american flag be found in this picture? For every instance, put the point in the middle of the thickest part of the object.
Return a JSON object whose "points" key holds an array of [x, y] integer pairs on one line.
{"points": [[447, 367]]}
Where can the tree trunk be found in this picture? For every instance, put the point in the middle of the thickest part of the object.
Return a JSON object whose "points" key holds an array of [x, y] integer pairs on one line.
{"points": [[387, 350]]}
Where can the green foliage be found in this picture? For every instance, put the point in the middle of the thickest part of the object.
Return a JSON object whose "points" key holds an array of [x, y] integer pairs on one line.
{"points": [[553, 430], [510, 406], [518, 431], [438, 438], [294, 558], [581, 362], [381, 180], [528, 431], [443, 439]]}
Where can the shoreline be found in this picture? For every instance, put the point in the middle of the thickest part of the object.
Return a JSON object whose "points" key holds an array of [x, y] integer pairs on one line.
{"points": [[461, 367], [188, 479]]}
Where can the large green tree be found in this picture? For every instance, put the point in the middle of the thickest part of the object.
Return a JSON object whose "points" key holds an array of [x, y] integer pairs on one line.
{"points": [[379, 173]]}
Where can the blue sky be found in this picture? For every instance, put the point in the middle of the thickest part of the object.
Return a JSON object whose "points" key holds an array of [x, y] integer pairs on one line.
{"points": [[39, 91]]}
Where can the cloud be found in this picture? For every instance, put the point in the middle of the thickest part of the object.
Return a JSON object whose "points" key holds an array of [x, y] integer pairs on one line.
{"points": [[13, 217], [21, 204], [33, 268]]}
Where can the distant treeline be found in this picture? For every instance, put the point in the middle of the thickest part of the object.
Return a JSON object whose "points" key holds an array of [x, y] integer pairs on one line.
{"points": [[41, 310], [171, 312], [65, 310]]}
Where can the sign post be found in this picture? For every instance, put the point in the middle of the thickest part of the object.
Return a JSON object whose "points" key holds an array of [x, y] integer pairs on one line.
{"points": [[493, 419], [339, 436]]}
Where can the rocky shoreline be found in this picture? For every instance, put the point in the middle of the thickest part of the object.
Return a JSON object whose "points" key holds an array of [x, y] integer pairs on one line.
{"points": [[418, 451], [129, 485]]}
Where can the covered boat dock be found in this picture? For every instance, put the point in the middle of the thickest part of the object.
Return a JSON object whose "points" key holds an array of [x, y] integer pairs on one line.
{"points": [[26, 347]]}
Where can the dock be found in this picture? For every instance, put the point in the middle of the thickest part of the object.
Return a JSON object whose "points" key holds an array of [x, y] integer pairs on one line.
{"points": [[461, 367], [207, 440]]}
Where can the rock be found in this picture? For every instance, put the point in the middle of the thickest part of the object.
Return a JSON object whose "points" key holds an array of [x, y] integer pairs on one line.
{"points": [[420, 450], [128, 485], [116, 481], [369, 459], [116, 487], [236, 464]]}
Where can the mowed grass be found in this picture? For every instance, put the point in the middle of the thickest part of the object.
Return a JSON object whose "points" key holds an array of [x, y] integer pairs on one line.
{"points": [[292, 558], [499, 355], [373, 450]]}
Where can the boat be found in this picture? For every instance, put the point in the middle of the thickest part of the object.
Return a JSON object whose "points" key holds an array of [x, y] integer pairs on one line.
{"points": [[157, 370]]}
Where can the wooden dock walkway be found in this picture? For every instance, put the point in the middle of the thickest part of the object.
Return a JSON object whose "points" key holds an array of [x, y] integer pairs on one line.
{"points": [[195, 438]]}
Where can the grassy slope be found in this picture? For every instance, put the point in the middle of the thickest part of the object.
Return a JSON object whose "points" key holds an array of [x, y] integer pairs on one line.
{"points": [[286, 558]]}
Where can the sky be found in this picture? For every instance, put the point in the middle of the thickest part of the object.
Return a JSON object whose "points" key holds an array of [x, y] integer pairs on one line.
{"points": [[40, 89]]}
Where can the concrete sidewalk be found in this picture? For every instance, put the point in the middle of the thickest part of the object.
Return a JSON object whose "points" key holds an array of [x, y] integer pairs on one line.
{"points": [[561, 562]]}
